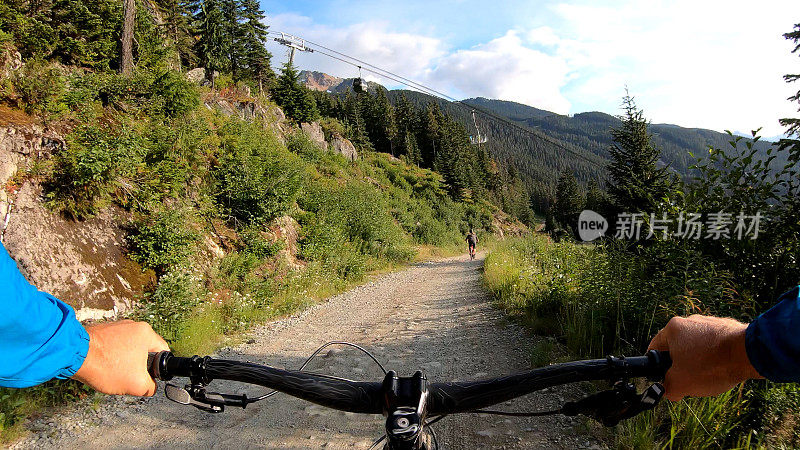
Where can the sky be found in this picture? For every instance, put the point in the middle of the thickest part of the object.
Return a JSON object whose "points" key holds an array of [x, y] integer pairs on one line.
{"points": [[695, 63]]}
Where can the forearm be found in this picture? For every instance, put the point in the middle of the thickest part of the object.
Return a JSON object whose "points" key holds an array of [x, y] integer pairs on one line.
{"points": [[40, 338], [772, 341]]}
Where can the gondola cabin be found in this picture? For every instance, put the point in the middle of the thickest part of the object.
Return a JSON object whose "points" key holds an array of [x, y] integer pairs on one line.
{"points": [[360, 85]]}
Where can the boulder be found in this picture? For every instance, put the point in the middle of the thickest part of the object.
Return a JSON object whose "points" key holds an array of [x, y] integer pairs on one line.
{"points": [[344, 147], [10, 60], [82, 263], [315, 133], [197, 75]]}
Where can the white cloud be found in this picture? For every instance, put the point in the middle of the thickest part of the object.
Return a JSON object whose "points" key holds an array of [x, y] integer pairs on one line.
{"points": [[409, 55], [712, 63], [504, 68], [701, 64]]}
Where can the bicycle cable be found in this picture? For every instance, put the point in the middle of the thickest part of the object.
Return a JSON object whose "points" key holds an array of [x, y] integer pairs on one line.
{"points": [[316, 352]]}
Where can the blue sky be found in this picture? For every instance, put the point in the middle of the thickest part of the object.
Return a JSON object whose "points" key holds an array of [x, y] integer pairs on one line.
{"points": [[697, 63]]}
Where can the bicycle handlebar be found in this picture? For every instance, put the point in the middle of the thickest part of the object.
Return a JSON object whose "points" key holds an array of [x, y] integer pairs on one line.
{"points": [[459, 397], [444, 398]]}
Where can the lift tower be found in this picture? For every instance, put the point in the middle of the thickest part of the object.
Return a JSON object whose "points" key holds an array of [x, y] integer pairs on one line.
{"points": [[293, 43]]}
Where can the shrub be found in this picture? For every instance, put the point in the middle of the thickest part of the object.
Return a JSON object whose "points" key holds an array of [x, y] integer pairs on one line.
{"points": [[88, 170], [254, 243], [163, 240], [257, 180], [172, 303], [38, 84], [173, 95]]}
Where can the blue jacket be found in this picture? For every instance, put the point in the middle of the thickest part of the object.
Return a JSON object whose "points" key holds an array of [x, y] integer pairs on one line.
{"points": [[773, 340], [40, 338]]}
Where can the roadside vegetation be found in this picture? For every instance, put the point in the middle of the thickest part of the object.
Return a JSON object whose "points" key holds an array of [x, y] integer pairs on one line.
{"points": [[612, 296]]}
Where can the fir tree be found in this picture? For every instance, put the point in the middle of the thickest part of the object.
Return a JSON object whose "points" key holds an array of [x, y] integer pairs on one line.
{"points": [[211, 47], [636, 183], [412, 153], [381, 124], [354, 118], [179, 31], [232, 36], [793, 125], [569, 201], [295, 100], [255, 57]]}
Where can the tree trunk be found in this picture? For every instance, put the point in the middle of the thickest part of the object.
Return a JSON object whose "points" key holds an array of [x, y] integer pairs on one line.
{"points": [[127, 36]]}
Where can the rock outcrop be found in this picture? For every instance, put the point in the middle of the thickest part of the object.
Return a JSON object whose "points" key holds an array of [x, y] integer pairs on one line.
{"points": [[236, 104], [82, 263], [344, 147], [315, 134]]}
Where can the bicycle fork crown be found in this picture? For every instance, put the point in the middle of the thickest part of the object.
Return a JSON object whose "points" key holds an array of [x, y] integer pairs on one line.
{"points": [[405, 401]]}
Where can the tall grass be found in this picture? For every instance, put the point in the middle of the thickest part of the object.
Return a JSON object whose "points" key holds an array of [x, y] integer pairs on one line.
{"points": [[599, 300]]}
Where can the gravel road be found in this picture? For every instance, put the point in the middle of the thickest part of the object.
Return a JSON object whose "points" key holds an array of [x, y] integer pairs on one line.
{"points": [[434, 316]]}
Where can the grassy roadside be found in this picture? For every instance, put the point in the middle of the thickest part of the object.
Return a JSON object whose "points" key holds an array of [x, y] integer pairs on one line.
{"points": [[591, 301]]}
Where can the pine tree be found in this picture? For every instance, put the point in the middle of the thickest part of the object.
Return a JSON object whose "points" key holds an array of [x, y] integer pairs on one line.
{"points": [[406, 122], [128, 24], [429, 134], [636, 183], [793, 125], [178, 30], [295, 100], [381, 125], [354, 117], [569, 201], [255, 57], [413, 155], [211, 46], [232, 36]]}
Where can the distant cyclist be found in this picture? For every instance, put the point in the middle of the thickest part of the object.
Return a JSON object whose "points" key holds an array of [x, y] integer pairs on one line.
{"points": [[472, 241]]}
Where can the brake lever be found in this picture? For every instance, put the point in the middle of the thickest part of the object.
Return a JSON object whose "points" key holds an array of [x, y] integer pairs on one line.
{"points": [[197, 396], [614, 405]]}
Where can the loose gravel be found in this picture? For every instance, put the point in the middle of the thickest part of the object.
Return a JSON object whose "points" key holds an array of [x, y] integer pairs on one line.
{"points": [[435, 317]]}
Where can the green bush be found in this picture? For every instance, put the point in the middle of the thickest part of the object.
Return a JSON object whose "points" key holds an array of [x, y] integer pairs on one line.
{"points": [[38, 84], [254, 243], [89, 170], [257, 179], [163, 240], [173, 95], [172, 303]]}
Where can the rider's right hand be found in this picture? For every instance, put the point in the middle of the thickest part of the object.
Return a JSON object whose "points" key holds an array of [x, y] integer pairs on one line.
{"points": [[117, 358], [708, 356]]}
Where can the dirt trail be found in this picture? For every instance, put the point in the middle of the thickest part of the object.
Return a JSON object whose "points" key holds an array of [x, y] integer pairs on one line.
{"points": [[435, 317]]}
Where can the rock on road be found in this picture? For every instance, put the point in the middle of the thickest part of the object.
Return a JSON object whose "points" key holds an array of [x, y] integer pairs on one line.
{"points": [[435, 317]]}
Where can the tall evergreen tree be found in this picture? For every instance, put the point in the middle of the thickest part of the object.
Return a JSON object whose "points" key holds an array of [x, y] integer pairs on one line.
{"points": [[381, 124], [211, 46], [570, 201], [636, 183], [255, 57], [232, 36], [411, 149], [297, 102], [354, 119], [178, 30], [128, 23], [793, 124]]}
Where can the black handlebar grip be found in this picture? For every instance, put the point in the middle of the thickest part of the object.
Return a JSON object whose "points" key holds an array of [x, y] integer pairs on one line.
{"points": [[659, 363], [156, 365]]}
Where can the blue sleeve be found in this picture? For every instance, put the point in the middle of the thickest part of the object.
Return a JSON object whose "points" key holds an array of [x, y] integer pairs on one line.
{"points": [[773, 340], [40, 337]]}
